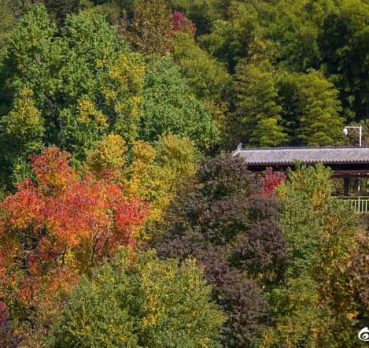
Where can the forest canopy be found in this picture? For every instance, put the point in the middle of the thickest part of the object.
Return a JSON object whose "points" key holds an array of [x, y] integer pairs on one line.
{"points": [[125, 221]]}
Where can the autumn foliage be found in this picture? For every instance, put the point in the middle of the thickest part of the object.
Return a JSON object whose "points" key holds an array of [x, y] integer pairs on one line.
{"points": [[182, 24], [271, 180], [60, 224]]}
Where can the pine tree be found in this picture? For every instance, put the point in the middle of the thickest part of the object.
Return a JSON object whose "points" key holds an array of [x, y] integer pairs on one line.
{"points": [[257, 117]]}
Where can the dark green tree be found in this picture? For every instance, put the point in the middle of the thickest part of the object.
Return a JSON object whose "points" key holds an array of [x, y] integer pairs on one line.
{"points": [[61, 8], [343, 43], [233, 36]]}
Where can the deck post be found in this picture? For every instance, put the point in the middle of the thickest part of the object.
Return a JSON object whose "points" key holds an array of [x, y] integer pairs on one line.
{"points": [[346, 185]]}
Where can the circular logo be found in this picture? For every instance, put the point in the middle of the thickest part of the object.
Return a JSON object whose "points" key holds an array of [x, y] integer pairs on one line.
{"points": [[364, 334]]}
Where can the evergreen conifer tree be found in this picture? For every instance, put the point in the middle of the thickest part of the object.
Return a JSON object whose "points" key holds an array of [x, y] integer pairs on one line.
{"points": [[257, 115], [320, 122]]}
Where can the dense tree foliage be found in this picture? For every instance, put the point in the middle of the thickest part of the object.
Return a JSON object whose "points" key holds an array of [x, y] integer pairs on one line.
{"points": [[71, 91], [116, 117], [170, 106], [259, 43], [230, 230], [293, 259], [321, 234], [58, 226], [139, 301], [257, 110]]}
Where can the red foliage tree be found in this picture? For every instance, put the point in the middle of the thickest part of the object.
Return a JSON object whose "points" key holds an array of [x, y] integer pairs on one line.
{"points": [[271, 180], [180, 23], [59, 225]]}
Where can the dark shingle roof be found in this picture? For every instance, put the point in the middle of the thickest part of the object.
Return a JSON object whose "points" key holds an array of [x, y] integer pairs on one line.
{"points": [[291, 155]]}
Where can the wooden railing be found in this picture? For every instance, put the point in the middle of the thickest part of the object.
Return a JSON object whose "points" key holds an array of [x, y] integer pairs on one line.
{"points": [[359, 203]]}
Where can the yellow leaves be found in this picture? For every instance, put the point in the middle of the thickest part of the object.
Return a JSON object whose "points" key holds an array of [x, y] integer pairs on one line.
{"points": [[25, 118], [157, 172], [26, 93], [144, 152], [127, 75], [107, 154], [352, 315], [87, 113], [122, 93], [136, 104]]}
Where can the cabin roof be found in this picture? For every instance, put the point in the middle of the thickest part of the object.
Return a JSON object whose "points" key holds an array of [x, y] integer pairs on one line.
{"points": [[304, 155]]}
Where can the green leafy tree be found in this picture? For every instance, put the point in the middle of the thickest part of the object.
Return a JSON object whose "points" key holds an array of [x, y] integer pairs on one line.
{"points": [[171, 107], [61, 8], [232, 39], [7, 21], [320, 232], [294, 30], [82, 129], [83, 88], [342, 39], [207, 77], [21, 132], [10, 12], [31, 59], [143, 302], [257, 119]]}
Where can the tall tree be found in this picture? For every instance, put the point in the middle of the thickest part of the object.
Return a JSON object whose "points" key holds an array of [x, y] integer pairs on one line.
{"points": [[230, 230], [21, 131], [232, 36], [342, 39], [207, 77], [320, 234], [319, 111], [257, 118]]}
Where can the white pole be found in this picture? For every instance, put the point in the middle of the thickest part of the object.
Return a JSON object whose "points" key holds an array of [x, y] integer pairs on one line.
{"points": [[360, 134]]}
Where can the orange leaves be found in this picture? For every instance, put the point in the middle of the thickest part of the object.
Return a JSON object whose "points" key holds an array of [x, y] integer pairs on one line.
{"points": [[63, 221], [24, 208], [52, 170]]}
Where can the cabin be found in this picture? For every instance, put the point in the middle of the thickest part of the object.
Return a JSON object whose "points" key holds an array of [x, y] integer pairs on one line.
{"points": [[350, 166]]}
